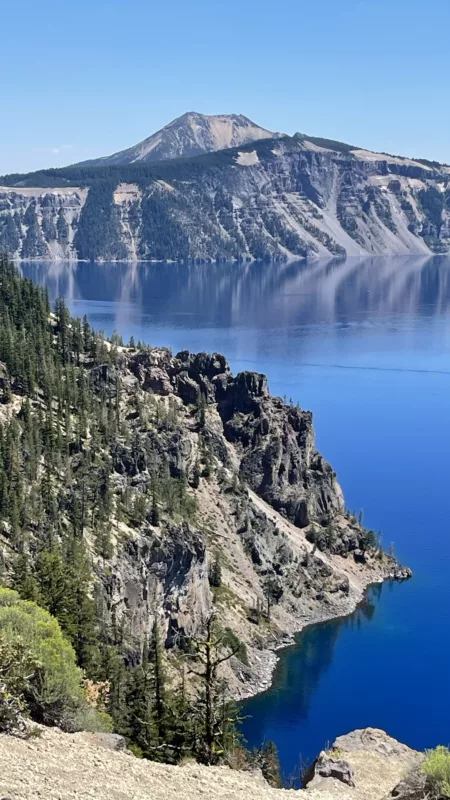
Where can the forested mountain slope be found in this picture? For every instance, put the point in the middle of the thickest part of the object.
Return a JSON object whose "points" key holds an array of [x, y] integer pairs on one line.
{"points": [[296, 197]]}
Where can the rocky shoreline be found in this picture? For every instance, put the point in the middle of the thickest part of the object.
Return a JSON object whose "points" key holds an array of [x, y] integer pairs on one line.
{"points": [[268, 659]]}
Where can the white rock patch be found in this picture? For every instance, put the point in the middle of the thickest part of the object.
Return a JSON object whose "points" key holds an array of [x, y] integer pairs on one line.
{"points": [[247, 159]]}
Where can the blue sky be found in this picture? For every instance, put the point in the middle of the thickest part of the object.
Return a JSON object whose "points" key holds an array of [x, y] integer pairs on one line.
{"points": [[86, 78]]}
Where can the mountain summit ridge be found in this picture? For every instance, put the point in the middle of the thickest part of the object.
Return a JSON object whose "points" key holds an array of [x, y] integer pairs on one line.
{"points": [[191, 134]]}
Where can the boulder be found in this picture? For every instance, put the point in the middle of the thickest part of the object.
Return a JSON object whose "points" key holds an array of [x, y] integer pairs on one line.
{"points": [[328, 767], [157, 381], [109, 741], [187, 388]]}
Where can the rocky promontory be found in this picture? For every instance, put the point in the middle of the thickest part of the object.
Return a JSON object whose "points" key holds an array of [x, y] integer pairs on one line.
{"points": [[220, 500], [269, 509]]}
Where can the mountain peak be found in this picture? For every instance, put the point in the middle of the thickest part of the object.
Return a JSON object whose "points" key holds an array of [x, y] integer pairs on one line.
{"points": [[191, 135]]}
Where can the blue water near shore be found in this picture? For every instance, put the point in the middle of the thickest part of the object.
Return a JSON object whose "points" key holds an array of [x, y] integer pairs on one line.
{"points": [[365, 344]]}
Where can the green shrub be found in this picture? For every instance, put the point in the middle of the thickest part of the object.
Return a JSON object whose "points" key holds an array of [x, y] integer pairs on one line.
{"points": [[87, 718], [17, 666], [56, 685], [53, 693], [437, 768]]}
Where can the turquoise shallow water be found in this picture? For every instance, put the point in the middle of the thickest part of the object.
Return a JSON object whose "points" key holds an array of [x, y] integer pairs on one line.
{"points": [[365, 344]]}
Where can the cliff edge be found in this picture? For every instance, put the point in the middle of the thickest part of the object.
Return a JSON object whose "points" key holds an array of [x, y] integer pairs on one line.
{"points": [[59, 766]]}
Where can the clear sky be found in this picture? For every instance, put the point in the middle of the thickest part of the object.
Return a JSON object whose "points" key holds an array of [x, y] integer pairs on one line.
{"points": [[84, 78]]}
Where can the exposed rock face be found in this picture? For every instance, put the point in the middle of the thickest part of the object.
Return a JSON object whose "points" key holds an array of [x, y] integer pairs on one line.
{"points": [[336, 768], [283, 198], [60, 765], [40, 224], [368, 760], [239, 481], [280, 461], [161, 573], [414, 786], [376, 741], [276, 441], [250, 440]]}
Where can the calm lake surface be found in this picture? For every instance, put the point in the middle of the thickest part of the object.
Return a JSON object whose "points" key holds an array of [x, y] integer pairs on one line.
{"points": [[365, 344]]}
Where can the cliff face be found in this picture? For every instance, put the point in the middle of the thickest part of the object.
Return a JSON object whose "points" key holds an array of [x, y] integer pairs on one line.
{"points": [[243, 486], [282, 198], [239, 483], [36, 224]]}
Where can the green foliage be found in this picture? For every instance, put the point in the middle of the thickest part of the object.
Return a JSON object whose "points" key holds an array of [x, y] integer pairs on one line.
{"points": [[368, 540], [437, 769], [329, 144], [97, 235], [232, 641], [432, 202], [267, 759], [56, 685], [9, 234], [17, 668], [61, 450], [215, 718]]}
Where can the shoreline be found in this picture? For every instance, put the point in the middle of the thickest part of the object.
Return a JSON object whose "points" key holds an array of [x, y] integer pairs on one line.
{"points": [[268, 658], [186, 261]]}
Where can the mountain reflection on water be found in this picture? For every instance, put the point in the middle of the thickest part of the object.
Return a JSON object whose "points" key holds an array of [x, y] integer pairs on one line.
{"points": [[255, 295]]}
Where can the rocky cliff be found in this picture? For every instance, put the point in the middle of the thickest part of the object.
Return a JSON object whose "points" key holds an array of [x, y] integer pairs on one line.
{"points": [[364, 765], [37, 224], [272, 199], [241, 485]]}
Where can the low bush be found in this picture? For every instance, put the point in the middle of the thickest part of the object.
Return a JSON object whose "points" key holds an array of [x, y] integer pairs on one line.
{"points": [[17, 667], [437, 769], [44, 679]]}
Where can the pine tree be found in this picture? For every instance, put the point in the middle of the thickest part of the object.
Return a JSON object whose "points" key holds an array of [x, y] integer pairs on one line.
{"points": [[159, 684], [208, 652], [24, 581], [215, 573]]}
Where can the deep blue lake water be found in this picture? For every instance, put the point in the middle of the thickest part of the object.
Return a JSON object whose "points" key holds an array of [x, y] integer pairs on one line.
{"points": [[365, 344]]}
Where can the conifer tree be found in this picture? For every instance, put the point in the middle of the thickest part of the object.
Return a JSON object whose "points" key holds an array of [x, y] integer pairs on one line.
{"points": [[208, 652], [159, 684]]}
